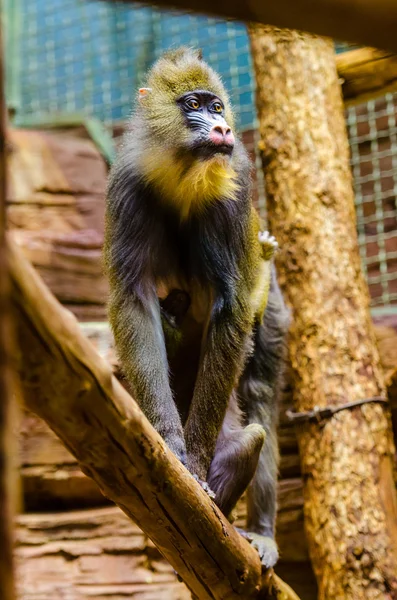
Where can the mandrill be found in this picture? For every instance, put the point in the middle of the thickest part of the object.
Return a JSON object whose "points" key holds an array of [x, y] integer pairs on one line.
{"points": [[197, 315]]}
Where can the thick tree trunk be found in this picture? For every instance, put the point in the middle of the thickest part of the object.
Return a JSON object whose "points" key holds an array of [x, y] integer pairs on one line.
{"points": [[350, 503], [68, 384]]}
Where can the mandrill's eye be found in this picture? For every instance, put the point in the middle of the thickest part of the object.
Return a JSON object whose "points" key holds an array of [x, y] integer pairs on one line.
{"points": [[193, 104], [217, 106]]}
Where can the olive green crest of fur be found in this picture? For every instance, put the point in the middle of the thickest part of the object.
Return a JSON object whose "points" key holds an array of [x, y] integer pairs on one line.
{"points": [[175, 73]]}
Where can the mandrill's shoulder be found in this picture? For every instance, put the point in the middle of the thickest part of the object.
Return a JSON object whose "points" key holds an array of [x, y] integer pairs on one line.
{"points": [[241, 161]]}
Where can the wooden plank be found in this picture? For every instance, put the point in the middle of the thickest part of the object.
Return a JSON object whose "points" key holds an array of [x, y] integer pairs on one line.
{"points": [[56, 208], [365, 22], [366, 73], [89, 554]]}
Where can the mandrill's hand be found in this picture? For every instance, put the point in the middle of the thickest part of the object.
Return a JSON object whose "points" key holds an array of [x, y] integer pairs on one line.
{"points": [[175, 441], [265, 545], [269, 244], [199, 473]]}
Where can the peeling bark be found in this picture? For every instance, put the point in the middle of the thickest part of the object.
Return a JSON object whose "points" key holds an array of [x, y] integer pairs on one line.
{"points": [[350, 503]]}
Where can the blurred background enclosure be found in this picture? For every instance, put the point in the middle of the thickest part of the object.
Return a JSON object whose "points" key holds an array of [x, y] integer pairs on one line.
{"points": [[73, 69], [75, 60]]}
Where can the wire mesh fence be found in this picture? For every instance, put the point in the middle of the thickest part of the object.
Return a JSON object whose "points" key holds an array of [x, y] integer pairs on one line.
{"points": [[91, 56], [87, 58], [372, 131]]}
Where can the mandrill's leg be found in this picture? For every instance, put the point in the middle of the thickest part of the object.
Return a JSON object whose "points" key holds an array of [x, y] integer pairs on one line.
{"points": [[258, 393], [236, 458]]}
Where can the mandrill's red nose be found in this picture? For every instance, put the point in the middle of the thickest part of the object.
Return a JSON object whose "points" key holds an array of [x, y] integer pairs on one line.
{"points": [[221, 135]]}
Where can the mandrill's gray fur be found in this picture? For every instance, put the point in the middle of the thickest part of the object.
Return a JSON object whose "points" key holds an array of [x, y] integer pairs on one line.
{"points": [[189, 275]]}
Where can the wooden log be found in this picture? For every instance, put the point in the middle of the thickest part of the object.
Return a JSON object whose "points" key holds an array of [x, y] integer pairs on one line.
{"points": [[366, 22], [51, 478], [67, 383], [7, 389], [366, 73], [350, 503], [53, 169]]}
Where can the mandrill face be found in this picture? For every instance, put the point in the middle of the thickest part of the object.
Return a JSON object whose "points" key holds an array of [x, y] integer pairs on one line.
{"points": [[204, 117], [184, 121]]}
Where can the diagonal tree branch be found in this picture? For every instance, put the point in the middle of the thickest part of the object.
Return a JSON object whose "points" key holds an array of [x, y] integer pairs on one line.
{"points": [[72, 388]]}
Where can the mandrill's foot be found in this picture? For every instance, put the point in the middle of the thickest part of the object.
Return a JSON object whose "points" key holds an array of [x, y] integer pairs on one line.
{"points": [[269, 244], [266, 546], [205, 487], [234, 465]]}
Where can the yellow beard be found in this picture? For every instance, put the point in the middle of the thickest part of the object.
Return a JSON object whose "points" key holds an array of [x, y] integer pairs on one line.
{"points": [[189, 186]]}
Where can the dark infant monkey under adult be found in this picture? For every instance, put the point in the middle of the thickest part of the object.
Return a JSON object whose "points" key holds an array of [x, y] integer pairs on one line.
{"points": [[197, 315]]}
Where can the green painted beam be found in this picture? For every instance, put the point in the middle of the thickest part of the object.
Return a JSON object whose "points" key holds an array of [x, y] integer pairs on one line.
{"points": [[95, 129]]}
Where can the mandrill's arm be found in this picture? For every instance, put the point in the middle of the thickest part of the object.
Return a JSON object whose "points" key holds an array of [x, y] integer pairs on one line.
{"points": [[140, 341], [132, 232], [220, 366]]}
